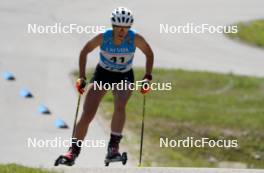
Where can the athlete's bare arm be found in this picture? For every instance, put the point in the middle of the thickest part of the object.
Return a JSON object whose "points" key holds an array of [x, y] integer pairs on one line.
{"points": [[142, 44], [89, 47]]}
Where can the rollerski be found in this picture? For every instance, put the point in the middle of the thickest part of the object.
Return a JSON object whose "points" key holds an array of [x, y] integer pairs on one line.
{"points": [[67, 159], [121, 158], [113, 154]]}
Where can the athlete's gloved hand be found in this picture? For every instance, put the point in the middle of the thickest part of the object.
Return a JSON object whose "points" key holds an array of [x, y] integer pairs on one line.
{"points": [[80, 85], [146, 84]]}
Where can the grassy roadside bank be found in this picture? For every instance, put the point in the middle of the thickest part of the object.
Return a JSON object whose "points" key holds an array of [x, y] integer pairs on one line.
{"points": [[15, 168], [200, 104], [251, 32]]}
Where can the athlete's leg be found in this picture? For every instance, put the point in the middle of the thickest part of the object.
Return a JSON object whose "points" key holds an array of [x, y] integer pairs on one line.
{"points": [[90, 106], [121, 98]]}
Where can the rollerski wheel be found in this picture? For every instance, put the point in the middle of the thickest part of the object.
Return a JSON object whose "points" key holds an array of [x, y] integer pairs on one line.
{"points": [[124, 158], [106, 163]]}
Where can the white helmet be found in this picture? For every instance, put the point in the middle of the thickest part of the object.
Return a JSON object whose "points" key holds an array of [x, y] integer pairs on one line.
{"points": [[122, 16]]}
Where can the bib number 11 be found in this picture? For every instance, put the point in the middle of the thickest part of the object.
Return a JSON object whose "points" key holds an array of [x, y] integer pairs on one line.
{"points": [[118, 59]]}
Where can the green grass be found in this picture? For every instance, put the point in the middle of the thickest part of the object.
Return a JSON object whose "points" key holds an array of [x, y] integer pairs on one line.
{"points": [[250, 32], [200, 104], [14, 168]]}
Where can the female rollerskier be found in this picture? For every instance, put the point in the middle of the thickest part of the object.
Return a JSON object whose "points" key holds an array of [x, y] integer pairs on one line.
{"points": [[117, 48]]}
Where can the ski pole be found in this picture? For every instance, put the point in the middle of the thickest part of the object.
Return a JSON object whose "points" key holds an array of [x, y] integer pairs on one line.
{"points": [[142, 131], [76, 114]]}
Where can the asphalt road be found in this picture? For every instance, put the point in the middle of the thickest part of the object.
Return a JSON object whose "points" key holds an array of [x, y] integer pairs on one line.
{"points": [[160, 170]]}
